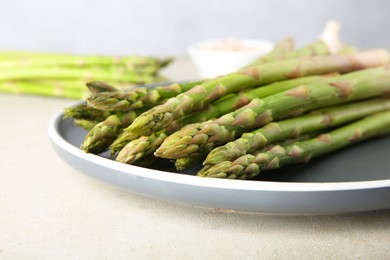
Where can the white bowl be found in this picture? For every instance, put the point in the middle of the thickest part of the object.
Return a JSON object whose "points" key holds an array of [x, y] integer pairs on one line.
{"points": [[218, 57]]}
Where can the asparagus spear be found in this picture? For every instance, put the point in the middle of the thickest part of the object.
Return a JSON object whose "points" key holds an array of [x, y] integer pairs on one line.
{"points": [[52, 73], [140, 147], [182, 164], [158, 117], [137, 97], [281, 51], [68, 88], [83, 111], [198, 138], [227, 105], [221, 107], [17, 60], [249, 166], [107, 100], [64, 74], [290, 128], [87, 124], [96, 87], [263, 149], [100, 137]]}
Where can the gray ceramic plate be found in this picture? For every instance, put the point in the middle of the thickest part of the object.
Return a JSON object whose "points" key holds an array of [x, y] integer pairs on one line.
{"points": [[354, 179]]}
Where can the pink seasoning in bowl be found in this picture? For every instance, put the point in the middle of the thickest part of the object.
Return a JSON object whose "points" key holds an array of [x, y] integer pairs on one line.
{"points": [[219, 57]]}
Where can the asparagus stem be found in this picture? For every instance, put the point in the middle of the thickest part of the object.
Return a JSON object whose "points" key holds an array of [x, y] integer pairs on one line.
{"points": [[291, 128], [217, 109], [249, 166], [100, 137], [222, 107], [281, 50], [198, 138], [137, 97], [74, 73], [140, 147], [73, 89], [83, 111], [87, 124], [17, 60], [198, 97], [182, 164], [64, 75], [227, 105], [96, 87]]}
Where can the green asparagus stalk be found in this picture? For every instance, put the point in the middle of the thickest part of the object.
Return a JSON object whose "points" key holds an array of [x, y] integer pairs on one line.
{"points": [[182, 164], [100, 137], [227, 105], [63, 75], [96, 87], [285, 142], [177, 107], [83, 111], [199, 138], [68, 88], [73, 89], [249, 166], [294, 127], [17, 60], [218, 108], [137, 97], [140, 147], [222, 107], [280, 51], [52, 73], [87, 124], [134, 152]]}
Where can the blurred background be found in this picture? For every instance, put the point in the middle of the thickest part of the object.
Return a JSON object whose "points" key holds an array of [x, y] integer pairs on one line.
{"points": [[167, 27]]}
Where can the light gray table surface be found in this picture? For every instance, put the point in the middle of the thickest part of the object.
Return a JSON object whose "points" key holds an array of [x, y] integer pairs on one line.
{"points": [[48, 210]]}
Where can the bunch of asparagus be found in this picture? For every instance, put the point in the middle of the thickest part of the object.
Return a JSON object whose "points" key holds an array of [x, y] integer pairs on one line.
{"points": [[286, 107], [65, 75]]}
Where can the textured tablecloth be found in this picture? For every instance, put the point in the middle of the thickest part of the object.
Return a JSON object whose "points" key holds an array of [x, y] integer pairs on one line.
{"points": [[48, 210]]}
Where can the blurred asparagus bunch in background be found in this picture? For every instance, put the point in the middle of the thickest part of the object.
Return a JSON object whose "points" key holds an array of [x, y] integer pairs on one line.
{"points": [[288, 106], [65, 75]]}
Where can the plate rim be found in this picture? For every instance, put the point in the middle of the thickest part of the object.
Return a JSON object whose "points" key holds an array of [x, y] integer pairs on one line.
{"points": [[172, 177]]}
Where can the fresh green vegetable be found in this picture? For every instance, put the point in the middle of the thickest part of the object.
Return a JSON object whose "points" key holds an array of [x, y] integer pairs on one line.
{"points": [[249, 166], [158, 117], [194, 139], [290, 128]]}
